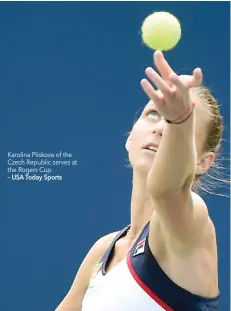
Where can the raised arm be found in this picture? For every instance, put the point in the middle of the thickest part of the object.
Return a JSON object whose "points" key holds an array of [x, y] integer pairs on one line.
{"points": [[182, 215]]}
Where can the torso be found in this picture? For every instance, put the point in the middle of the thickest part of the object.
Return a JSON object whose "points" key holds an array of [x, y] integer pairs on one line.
{"points": [[195, 271], [131, 276]]}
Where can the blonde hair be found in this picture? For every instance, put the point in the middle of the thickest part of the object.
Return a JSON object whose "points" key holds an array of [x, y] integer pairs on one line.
{"points": [[216, 176]]}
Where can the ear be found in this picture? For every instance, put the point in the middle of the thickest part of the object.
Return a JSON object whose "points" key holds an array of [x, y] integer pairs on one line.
{"points": [[128, 143], [205, 162]]}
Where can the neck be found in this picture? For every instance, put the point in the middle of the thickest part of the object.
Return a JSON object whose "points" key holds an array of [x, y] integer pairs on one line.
{"points": [[141, 206]]}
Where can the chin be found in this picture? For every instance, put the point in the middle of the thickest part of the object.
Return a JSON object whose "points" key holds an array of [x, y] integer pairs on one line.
{"points": [[142, 166], [142, 162]]}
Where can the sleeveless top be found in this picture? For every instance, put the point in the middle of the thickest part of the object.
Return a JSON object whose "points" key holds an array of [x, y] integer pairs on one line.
{"points": [[138, 283]]}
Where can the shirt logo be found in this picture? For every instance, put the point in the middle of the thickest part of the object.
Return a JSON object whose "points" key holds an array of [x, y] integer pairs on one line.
{"points": [[140, 247]]}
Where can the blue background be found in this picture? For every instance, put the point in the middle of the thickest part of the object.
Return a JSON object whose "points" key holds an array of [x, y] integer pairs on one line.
{"points": [[69, 75]]}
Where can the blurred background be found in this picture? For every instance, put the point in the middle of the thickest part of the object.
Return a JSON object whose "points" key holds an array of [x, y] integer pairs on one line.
{"points": [[70, 81]]}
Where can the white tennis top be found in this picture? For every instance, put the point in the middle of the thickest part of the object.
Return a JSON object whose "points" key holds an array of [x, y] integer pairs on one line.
{"points": [[138, 283]]}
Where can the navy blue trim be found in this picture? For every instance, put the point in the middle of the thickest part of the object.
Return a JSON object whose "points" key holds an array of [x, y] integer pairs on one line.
{"points": [[109, 252], [148, 270]]}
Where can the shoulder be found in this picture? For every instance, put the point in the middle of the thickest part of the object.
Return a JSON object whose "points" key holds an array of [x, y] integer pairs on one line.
{"points": [[201, 213], [204, 229], [200, 210], [98, 249], [101, 245], [77, 291], [92, 258], [191, 229]]}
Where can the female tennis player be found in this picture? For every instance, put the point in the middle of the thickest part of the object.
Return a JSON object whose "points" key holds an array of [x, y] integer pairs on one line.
{"points": [[166, 259]]}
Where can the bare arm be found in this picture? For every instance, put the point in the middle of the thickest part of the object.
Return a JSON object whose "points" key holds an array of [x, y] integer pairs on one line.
{"points": [[175, 162], [73, 299], [170, 178]]}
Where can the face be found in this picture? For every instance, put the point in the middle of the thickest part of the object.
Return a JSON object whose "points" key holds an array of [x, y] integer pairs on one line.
{"points": [[149, 129]]}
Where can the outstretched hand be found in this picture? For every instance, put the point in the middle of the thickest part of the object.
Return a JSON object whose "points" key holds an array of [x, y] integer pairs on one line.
{"points": [[173, 98]]}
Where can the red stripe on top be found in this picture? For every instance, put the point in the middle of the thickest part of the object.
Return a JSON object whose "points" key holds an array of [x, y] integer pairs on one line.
{"points": [[141, 242], [145, 287]]}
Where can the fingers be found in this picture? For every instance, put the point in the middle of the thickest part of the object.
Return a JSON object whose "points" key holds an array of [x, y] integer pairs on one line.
{"points": [[162, 65], [165, 71], [188, 79], [154, 95], [168, 82], [198, 76], [159, 82], [193, 80], [179, 83], [182, 83]]}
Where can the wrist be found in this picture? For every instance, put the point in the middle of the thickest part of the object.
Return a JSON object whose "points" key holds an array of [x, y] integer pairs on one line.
{"points": [[184, 117]]}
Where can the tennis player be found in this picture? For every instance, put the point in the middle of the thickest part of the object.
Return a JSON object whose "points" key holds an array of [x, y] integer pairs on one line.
{"points": [[166, 259]]}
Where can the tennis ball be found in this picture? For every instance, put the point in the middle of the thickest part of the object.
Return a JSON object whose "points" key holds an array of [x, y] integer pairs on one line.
{"points": [[161, 31]]}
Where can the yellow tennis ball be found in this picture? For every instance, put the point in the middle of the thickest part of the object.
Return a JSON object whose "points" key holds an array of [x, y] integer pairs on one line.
{"points": [[161, 31]]}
